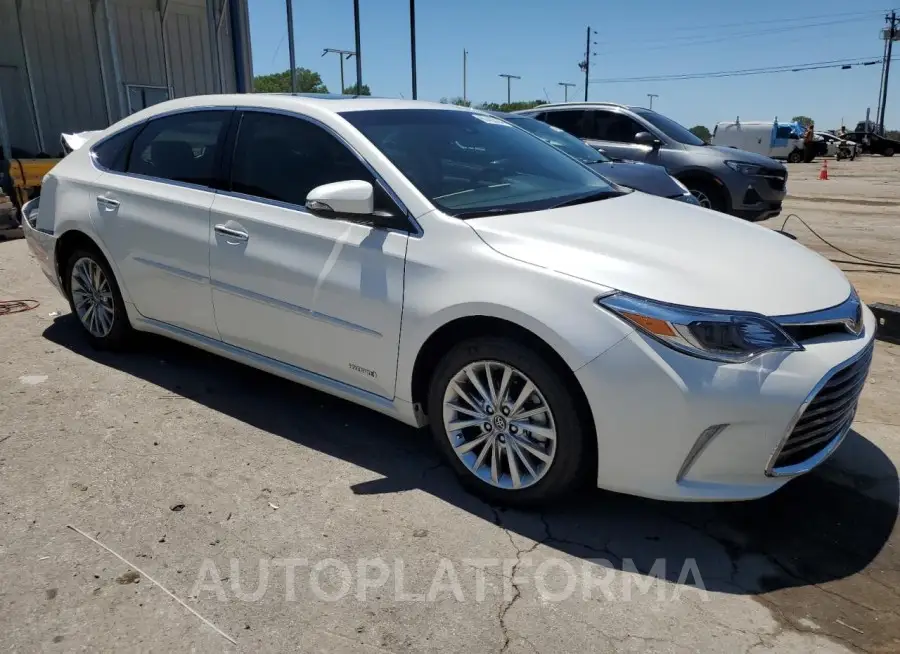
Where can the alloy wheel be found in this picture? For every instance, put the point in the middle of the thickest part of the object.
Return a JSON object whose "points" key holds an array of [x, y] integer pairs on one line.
{"points": [[92, 297], [499, 425], [702, 198]]}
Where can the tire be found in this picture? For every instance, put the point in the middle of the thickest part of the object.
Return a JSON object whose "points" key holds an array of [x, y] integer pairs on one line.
{"points": [[551, 407], [107, 327], [888, 152], [796, 156], [707, 195]]}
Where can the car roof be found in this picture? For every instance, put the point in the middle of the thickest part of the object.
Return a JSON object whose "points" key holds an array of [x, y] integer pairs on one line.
{"points": [[296, 101], [579, 105]]}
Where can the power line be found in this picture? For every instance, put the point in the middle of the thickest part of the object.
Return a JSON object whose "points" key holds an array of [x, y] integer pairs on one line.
{"points": [[780, 21], [816, 65], [691, 41]]}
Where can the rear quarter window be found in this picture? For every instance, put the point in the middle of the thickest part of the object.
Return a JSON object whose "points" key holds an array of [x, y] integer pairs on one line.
{"points": [[112, 153]]}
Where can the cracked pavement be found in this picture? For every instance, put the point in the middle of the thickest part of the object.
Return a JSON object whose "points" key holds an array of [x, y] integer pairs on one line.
{"points": [[273, 476]]}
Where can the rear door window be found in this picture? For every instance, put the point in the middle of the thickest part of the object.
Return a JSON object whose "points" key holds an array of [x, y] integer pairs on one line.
{"points": [[184, 147], [615, 127], [574, 121]]}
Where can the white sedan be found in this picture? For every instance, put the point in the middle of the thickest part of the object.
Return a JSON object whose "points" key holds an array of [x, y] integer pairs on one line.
{"points": [[446, 268]]}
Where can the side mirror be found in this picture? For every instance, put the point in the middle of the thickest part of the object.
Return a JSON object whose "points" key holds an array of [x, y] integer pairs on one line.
{"points": [[353, 197], [646, 138]]}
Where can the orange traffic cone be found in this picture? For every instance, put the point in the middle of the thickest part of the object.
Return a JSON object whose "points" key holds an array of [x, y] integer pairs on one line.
{"points": [[823, 174]]}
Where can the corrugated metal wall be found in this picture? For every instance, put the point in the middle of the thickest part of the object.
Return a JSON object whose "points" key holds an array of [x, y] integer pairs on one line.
{"points": [[82, 63]]}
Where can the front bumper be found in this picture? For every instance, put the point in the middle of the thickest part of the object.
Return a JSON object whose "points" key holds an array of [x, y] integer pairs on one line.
{"points": [[757, 197], [674, 427]]}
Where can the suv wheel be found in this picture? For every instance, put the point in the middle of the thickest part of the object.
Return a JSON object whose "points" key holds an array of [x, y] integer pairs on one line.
{"points": [[796, 156], [95, 299], [505, 421]]}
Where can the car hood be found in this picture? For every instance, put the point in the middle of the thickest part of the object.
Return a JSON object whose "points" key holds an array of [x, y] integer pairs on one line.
{"points": [[643, 177], [671, 252], [733, 154]]}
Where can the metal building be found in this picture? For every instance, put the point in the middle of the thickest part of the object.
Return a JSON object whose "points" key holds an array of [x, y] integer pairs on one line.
{"points": [[74, 65]]}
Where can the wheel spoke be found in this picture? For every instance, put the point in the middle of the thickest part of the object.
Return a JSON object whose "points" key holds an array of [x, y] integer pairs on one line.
{"points": [[504, 385], [468, 446], [483, 454], [495, 455], [463, 395], [466, 411], [526, 391], [524, 415], [473, 379], [490, 382], [537, 430], [535, 452], [513, 444], [513, 466], [463, 424]]}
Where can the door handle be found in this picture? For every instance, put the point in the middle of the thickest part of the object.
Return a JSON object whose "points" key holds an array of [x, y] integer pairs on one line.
{"points": [[110, 204], [230, 232]]}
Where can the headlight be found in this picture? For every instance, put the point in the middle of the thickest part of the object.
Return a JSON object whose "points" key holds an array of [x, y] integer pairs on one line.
{"points": [[744, 168], [730, 337]]}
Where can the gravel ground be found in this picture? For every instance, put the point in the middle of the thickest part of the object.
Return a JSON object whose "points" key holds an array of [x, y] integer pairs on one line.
{"points": [[285, 519]]}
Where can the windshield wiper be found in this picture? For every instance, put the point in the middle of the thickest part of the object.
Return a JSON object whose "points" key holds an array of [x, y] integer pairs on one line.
{"points": [[480, 213], [590, 197]]}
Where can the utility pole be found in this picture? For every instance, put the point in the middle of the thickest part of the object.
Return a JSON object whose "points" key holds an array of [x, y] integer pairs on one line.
{"points": [[358, 50], [890, 34], [290, 26], [341, 54], [465, 55], [566, 86], [585, 65], [508, 79], [412, 43], [651, 96]]}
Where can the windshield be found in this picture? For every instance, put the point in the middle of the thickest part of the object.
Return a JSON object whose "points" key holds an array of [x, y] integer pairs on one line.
{"points": [[470, 164], [558, 138], [669, 127]]}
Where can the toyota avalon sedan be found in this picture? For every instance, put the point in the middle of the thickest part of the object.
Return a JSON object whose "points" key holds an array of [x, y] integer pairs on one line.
{"points": [[445, 268]]}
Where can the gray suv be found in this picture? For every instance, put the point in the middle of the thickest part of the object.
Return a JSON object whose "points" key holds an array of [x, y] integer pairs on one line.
{"points": [[739, 183]]}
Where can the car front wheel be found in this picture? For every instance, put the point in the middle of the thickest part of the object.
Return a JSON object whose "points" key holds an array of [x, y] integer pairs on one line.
{"points": [[96, 300], [506, 423]]}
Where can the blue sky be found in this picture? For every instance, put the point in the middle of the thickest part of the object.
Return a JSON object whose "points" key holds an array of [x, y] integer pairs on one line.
{"points": [[543, 41]]}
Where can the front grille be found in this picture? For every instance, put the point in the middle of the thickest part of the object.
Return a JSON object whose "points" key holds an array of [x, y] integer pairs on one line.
{"points": [[828, 414]]}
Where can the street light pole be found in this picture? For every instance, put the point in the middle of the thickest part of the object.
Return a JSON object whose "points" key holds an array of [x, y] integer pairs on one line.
{"points": [[412, 44], [465, 55], [566, 86], [651, 96], [290, 26], [341, 55], [358, 48], [508, 81]]}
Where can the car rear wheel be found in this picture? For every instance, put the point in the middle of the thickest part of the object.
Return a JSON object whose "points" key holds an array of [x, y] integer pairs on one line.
{"points": [[506, 423], [96, 301], [888, 152], [796, 156]]}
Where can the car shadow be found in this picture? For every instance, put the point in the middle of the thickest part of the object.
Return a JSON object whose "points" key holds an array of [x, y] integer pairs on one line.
{"points": [[819, 528]]}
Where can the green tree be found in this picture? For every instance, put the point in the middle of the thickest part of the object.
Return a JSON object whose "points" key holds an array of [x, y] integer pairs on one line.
{"points": [[701, 132], [459, 102], [363, 90], [308, 81], [806, 121], [511, 106]]}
